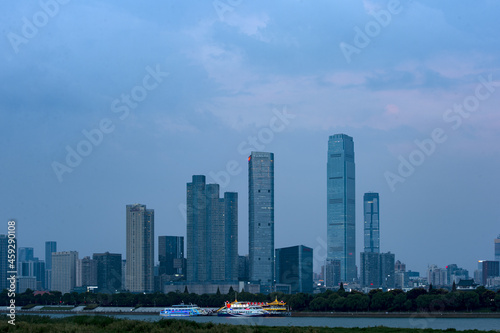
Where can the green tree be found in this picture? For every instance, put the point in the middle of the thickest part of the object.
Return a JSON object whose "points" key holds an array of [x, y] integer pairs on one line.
{"points": [[454, 286], [471, 300], [319, 304], [339, 304]]}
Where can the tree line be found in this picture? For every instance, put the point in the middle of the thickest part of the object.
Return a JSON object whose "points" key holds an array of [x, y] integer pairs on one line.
{"points": [[339, 301]]}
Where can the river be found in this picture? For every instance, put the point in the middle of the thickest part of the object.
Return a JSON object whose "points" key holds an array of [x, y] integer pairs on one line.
{"points": [[483, 324]]}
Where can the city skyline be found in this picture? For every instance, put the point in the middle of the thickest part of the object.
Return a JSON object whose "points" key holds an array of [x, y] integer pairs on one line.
{"points": [[193, 91]]}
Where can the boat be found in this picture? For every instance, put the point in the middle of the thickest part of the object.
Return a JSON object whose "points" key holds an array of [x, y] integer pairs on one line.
{"points": [[182, 310], [277, 308], [242, 309]]}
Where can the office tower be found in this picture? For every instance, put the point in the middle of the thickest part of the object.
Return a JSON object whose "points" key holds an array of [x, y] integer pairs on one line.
{"points": [[261, 219], [243, 268], [371, 223], [212, 233], [86, 272], [64, 271], [109, 272], [497, 248], [489, 269], [171, 255], [25, 254], [401, 278], [436, 276], [140, 248], [50, 247], [4, 264], [332, 273], [294, 266], [341, 231], [387, 261], [370, 273]]}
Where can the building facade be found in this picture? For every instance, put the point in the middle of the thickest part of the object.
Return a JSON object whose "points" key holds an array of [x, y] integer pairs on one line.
{"points": [[140, 248], [497, 248], [261, 219], [371, 222], [171, 255], [50, 247], [64, 271], [294, 266], [4, 264], [109, 272], [212, 233], [370, 272], [332, 273], [341, 231], [86, 272], [489, 269]]}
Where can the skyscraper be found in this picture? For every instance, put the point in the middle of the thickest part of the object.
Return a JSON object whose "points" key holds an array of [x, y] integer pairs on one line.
{"points": [[341, 230], [64, 271], [109, 272], [497, 248], [294, 266], [171, 255], [86, 272], [370, 273], [4, 264], [261, 219], [371, 223], [140, 248], [212, 233], [49, 248]]}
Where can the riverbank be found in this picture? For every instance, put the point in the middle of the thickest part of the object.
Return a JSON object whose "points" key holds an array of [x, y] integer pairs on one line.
{"points": [[156, 311], [104, 324]]}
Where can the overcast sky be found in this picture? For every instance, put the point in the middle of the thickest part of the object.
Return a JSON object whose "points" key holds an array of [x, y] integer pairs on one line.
{"points": [[169, 89]]}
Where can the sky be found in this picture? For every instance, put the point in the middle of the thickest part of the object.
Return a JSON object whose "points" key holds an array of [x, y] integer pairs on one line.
{"points": [[107, 103]]}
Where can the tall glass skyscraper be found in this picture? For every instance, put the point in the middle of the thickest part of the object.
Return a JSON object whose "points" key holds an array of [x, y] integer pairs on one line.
{"points": [[261, 219], [212, 233], [140, 249], [371, 223], [341, 230], [171, 255], [50, 247]]}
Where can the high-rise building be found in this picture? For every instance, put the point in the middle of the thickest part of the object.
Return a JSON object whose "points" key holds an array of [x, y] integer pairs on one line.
{"points": [[243, 268], [371, 223], [109, 272], [171, 255], [26, 254], [294, 266], [4, 264], [261, 219], [436, 276], [64, 271], [497, 248], [332, 273], [387, 263], [489, 269], [140, 248], [212, 233], [341, 230], [50, 247], [86, 272], [370, 274]]}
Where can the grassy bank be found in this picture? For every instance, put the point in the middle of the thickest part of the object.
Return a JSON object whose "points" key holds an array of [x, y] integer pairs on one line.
{"points": [[80, 324]]}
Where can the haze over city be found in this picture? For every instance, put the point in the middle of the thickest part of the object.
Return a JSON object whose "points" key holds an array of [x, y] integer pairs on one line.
{"points": [[177, 89]]}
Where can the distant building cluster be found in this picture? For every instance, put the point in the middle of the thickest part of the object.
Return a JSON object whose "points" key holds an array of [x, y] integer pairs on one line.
{"points": [[211, 261]]}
